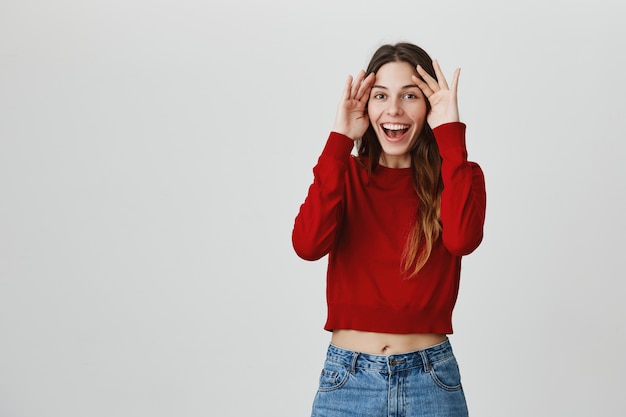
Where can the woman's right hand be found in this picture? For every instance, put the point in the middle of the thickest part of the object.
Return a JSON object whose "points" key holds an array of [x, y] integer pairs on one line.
{"points": [[351, 119]]}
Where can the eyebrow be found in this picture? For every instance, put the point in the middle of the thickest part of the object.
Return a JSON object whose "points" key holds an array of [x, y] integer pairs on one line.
{"points": [[403, 87]]}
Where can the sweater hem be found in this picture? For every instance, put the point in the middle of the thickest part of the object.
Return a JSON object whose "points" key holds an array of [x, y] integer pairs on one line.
{"points": [[387, 320]]}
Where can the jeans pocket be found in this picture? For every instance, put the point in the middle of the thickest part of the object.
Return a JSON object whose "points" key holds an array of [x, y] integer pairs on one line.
{"points": [[446, 374], [333, 376]]}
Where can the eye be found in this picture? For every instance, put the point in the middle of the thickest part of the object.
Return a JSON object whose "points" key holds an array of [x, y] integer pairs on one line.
{"points": [[378, 96], [411, 96]]}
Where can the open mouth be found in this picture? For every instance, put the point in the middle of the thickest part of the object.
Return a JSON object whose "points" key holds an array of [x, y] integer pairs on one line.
{"points": [[395, 130]]}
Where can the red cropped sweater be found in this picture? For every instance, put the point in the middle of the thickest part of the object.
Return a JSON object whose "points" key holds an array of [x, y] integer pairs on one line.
{"points": [[362, 222]]}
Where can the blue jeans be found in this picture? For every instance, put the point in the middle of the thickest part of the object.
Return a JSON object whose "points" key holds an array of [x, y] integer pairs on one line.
{"points": [[424, 383]]}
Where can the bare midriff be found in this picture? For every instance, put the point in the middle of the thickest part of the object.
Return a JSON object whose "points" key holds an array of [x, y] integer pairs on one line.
{"points": [[384, 343]]}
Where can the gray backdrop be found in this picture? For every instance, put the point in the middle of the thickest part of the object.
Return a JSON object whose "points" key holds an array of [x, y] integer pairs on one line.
{"points": [[153, 156]]}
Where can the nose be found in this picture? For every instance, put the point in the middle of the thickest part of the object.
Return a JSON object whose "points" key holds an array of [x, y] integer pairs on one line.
{"points": [[394, 108]]}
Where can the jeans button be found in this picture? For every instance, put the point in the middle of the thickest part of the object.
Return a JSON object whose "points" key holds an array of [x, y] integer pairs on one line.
{"points": [[394, 362]]}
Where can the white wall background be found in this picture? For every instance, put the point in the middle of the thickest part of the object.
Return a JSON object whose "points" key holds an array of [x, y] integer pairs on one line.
{"points": [[153, 155]]}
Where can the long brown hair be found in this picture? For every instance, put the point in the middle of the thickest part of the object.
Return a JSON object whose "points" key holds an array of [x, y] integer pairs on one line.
{"points": [[425, 163]]}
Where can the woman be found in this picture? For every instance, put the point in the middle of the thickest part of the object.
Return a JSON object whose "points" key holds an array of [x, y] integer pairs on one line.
{"points": [[395, 221]]}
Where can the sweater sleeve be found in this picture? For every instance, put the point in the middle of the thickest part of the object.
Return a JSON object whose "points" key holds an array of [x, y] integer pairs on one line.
{"points": [[463, 200], [319, 219]]}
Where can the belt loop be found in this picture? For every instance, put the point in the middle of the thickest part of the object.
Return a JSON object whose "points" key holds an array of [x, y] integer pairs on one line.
{"points": [[355, 356], [425, 360]]}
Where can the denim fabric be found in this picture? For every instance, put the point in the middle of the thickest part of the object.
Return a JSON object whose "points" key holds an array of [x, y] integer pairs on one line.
{"points": [[424, 383]]}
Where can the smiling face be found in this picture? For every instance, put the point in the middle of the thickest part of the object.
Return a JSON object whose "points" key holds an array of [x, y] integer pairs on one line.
{"points": [[397, 110]]}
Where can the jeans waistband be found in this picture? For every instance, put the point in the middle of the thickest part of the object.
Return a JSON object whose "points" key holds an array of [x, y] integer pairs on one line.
{"points": [[399, 361]]}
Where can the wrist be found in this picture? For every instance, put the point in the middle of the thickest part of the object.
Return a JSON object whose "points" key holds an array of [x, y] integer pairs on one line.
{"points": [[346, 132], [438, 121]]}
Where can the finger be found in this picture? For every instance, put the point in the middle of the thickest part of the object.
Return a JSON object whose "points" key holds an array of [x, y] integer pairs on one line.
{"points": [[442, 79], [455, 79], [422, 86], [357, 84], [432, 83], [346, 88], [366, 87]]}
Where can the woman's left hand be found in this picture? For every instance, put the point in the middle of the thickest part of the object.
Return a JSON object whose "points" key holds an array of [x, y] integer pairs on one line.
{"points": [[443, 99]]}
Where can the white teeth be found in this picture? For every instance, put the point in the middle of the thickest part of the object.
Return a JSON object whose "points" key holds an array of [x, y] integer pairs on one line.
{"points": [[390, 126]]}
